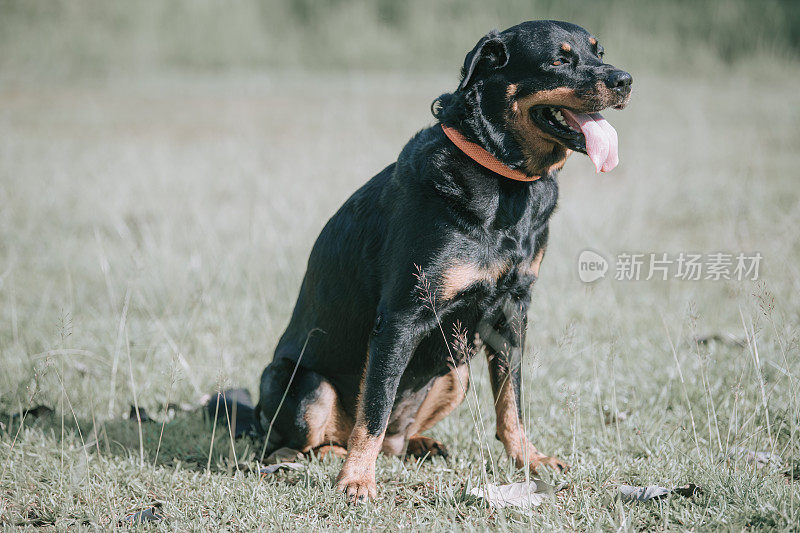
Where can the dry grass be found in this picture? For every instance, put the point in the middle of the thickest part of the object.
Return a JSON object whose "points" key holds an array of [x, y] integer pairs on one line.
{"points": [[196, 201]]}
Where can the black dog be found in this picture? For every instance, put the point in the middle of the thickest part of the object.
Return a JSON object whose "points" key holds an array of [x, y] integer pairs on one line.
{"points": [[433, 259]]}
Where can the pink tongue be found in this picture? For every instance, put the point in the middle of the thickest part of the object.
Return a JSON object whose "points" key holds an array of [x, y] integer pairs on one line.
{"points": [[601, 138]]}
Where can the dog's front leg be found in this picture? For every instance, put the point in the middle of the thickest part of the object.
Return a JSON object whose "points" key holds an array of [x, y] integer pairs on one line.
{"points": [[504, 344], [389, 351]]}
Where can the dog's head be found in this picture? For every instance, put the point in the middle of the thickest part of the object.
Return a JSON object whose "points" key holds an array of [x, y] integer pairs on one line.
{"points": [[532, 94]]}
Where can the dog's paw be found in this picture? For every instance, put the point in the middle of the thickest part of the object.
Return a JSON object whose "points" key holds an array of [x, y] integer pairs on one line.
{"points": [[553, 462], [419, 446], [357, 488]]}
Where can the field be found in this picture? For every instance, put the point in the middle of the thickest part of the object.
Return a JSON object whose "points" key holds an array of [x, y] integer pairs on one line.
{"points": [[153, 234]]}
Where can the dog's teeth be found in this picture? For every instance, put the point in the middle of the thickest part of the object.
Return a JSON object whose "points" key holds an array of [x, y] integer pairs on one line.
{"points": [[560, 118]]}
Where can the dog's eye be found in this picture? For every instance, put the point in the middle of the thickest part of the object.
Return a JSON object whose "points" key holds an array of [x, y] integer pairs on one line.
{"points": [[557, 63]]}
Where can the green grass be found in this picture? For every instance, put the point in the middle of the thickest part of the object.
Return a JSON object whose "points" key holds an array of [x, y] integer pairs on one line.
{"points": [[55, 39], [196, 199]]}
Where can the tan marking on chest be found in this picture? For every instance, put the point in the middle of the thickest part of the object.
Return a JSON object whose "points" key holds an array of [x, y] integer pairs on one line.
{"points": [[460, 276]]}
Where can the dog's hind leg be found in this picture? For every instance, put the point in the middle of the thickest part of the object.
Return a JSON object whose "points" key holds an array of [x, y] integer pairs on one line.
{"points": [[300, 412], [446, 393]]}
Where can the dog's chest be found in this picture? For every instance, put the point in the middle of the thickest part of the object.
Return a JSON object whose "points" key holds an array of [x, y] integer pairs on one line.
{"points": [[504, 251], [461, 277]]}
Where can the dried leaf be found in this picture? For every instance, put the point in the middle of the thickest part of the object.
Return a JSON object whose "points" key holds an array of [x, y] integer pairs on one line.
{"points": [[271, 469], [151, 514], [283, 455], [630, 493], [689, 490], [524, 494], [642, 494]]}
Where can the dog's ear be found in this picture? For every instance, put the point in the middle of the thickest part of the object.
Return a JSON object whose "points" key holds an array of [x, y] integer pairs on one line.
{"points": [[490, 53]]}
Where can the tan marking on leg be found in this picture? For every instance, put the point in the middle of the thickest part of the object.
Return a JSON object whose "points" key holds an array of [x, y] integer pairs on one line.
{"points": [[326, 419], [460, 276], [509, 427], [446, 393], [510, 430], [357, 476]]}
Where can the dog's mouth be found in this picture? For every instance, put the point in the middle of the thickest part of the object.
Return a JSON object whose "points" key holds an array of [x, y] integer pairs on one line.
{"points": [[588, 133]]}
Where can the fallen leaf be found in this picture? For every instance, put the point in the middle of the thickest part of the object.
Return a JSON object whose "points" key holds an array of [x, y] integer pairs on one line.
{"points": [[283, 455], [630, 493], [151, 514], [271, 469], [689, 490], [642, 494], [524, 494]]}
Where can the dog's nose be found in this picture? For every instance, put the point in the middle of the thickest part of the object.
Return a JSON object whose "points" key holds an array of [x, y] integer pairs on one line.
{"points": [[619, 80]]}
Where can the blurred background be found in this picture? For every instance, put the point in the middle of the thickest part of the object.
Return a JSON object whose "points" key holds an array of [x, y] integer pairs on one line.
{"points": [[166, 166], [71, 39]]}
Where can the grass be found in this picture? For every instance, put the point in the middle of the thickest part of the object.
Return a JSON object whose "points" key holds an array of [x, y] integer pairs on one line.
{"points": [[56, 39], [153, 234]]}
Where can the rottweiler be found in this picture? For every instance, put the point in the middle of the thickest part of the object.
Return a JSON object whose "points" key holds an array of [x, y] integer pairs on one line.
{"points": [[433, 260]]}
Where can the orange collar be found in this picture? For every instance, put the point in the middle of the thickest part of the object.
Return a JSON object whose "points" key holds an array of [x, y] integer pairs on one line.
{"points": [[484, 158]]}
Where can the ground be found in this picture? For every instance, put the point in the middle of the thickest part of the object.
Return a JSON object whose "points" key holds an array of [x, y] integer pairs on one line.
{"points": [[154, 232]]}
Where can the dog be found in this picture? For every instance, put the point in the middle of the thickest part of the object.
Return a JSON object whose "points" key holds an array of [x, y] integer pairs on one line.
{"points": [[433, 260]]}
